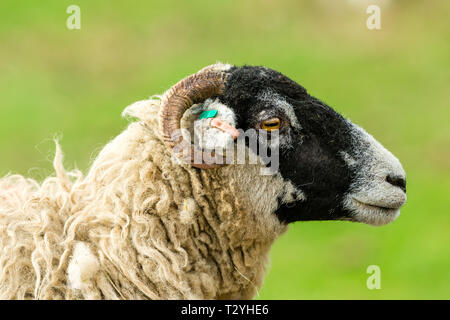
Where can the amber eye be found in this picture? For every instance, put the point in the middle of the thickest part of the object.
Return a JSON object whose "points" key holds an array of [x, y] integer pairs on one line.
{"points": [[271, 124]]}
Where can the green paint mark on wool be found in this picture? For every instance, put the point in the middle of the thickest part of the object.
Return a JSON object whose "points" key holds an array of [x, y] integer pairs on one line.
{"points": [[208, 114]]}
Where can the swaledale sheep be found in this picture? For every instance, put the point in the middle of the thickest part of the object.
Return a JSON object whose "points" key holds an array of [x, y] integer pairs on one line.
{"points": [[141, 225]]}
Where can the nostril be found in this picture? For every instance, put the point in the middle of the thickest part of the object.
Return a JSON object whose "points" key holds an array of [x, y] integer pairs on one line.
{"points": [[397, 181]]}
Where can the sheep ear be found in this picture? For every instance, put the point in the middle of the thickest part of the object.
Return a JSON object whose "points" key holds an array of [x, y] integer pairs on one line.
{"points": [[211, 126], [145, 110], [218, 128], [137, 109]]}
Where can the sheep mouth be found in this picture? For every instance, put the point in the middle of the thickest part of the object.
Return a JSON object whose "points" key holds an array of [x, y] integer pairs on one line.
{"points": [[372, 214], [386, 209]]}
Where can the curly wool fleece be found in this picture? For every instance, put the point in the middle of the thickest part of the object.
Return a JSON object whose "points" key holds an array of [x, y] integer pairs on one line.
{"points": [[138, 226]]}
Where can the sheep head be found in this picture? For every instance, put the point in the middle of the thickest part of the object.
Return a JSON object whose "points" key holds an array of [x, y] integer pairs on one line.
{"points": [[342, 171]]}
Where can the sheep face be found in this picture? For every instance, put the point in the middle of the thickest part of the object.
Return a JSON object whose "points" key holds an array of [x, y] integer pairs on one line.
{"points": [[342, 171]]}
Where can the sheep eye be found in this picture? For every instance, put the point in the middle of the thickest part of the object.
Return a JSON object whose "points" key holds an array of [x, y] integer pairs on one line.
{"points": [[271, 124]]}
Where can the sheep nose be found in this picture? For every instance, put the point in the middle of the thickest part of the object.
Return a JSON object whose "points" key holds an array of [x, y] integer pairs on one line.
{"points": [[397, 181]]}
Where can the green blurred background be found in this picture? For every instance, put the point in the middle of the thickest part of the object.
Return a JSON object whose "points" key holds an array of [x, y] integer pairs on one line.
{"points": [[394, 82]]}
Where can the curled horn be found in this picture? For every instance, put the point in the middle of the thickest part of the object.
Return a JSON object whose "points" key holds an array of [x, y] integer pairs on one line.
{"points": [[206, 83]]}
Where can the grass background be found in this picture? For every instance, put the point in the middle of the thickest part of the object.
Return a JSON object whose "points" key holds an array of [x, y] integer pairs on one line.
{"points": [[394, 82]]}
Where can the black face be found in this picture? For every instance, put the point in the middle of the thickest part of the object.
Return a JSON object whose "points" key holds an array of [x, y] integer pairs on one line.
{"points": [[312, 161]]}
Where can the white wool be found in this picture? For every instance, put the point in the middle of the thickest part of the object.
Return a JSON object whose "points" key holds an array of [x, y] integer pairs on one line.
{"points": [[137, 226], [188, 210], [83, 266]]}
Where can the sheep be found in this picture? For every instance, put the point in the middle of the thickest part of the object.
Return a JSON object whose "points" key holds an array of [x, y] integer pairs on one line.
{"points": [[148, 221]]}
